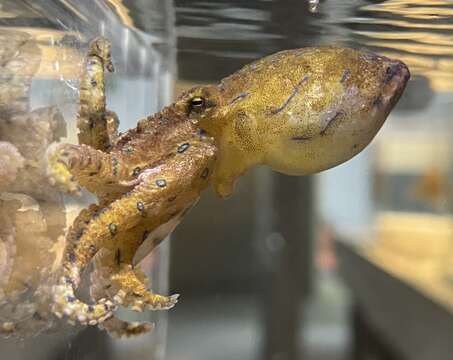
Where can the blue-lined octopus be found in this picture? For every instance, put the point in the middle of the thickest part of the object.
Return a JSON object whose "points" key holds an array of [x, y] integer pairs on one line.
{"points": [[298, 111]]}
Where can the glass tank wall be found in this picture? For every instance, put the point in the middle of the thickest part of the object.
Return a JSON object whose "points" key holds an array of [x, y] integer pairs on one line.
{"points": [[43, 49]]}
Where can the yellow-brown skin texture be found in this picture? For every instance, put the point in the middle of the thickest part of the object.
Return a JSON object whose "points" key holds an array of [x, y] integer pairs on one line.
{"points": [[298, 111]]}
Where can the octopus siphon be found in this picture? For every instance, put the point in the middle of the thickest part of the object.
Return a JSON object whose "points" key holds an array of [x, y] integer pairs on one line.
{"points": [[298, 111]]}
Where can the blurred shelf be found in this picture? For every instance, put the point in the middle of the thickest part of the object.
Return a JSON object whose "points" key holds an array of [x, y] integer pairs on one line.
{"points": [[411, 315]]}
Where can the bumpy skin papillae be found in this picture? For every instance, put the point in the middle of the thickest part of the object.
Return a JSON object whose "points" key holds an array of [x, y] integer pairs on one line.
{"points": [[139, 191], [299, 111], [161, 194], [102, 286], [94, 127]]}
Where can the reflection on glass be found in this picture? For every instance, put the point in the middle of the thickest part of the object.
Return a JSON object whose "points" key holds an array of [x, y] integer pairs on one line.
{"points": [[43, 46]]}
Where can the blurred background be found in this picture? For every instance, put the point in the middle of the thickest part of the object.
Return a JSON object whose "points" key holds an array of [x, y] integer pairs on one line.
{"points": [[353, 263]]}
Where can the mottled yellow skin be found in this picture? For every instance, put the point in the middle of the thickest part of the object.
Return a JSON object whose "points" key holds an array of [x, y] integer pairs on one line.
{"points": [[298, 111]]}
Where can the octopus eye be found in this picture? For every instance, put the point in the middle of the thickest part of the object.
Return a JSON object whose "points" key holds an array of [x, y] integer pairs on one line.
{"points": [[197, 104]]}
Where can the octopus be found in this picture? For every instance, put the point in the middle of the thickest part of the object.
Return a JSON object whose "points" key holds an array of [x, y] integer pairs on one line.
{"points": [[298, 111]]}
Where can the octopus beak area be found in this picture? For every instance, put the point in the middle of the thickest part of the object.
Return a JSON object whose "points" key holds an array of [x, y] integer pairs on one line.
{"points": [[396, 77]]}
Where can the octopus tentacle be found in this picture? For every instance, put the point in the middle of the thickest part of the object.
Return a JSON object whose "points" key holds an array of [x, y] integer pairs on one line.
{"points": [[67, 304], [148, 205], [70, 165], [100, 286], [94, 122], [65, 301], [138, 297], [112, 123], [99, 232], [121, 328]]}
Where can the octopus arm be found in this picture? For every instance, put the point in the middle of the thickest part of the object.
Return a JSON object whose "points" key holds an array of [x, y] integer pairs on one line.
{"points": [[65, 302], [73, 165], [161, 193], [101, 287], [97, 126]]}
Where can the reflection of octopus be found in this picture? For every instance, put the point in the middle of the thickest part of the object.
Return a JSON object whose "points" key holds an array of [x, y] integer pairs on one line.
{"points": [[26, 273], [32, 217], [147, 178]]}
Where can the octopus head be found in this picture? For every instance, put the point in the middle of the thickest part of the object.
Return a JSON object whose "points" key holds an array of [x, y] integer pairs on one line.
{"points": [[298, 111]]}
